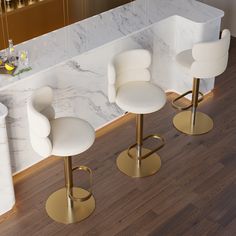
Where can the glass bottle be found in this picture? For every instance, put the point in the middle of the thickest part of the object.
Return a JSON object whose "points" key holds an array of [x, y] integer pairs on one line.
{"points": [[12, 57]]}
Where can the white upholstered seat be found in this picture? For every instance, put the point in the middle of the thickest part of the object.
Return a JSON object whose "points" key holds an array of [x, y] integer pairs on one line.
{"points": [[129, 83], [204, 61], [185, 59], [70, 136], [140, 97], [65, 136], [130, 87]]}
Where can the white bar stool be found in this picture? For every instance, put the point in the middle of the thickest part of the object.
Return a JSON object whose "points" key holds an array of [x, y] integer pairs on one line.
{"points": [[130, 88], [63, 137], [205, 60]]}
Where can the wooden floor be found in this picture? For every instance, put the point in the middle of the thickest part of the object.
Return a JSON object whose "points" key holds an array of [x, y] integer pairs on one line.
{"points": [[194, 193]]}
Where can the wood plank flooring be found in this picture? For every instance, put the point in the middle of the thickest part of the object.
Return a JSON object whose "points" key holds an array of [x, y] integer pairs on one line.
{"points": [[194, 193]]}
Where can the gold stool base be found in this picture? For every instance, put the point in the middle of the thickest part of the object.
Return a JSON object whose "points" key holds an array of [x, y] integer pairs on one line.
{"points": [[129, 166], [203, 123], [57, 207]]}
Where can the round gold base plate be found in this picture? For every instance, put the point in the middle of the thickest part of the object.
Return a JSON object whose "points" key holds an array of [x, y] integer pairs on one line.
{"points": [[129, 166], [57, 207], [203, 123]]}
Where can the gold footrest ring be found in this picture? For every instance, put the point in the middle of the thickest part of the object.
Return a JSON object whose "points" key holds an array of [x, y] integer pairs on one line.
{"points": [[182, 108], [89, 195], [155, 136], [128, 163], [129, 166]]}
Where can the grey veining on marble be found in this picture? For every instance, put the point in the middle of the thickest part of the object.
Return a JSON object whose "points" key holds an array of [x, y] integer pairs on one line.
{"points": [[60, 45]]}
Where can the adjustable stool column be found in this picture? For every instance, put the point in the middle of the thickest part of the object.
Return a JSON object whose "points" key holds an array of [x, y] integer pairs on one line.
{"points": [[63, 137], [130, 88], [205, 60]]}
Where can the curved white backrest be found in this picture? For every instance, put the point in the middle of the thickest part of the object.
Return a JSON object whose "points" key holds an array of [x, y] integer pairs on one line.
{"points": [[211, 58], [132, 60], [128, 66], [38, 108]]}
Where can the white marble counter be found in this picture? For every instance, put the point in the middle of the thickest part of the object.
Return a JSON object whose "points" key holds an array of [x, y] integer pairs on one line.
{"points": [[63, 44], [73, 61]]}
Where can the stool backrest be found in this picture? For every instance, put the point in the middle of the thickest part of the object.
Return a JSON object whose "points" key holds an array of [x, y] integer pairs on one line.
{"points": [[211, 58], [39, 125], [126, 67]]}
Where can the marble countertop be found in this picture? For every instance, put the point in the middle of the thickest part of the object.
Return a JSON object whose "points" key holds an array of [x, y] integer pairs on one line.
{"points": [[61, 45]]}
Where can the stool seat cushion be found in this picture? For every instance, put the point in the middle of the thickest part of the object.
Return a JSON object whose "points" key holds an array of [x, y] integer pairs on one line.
{"points": [[185, 59], [140, 97], [70, 136]]}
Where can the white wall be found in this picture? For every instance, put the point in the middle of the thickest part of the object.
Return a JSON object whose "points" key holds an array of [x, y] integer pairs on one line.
{"points": [[229, 7]]}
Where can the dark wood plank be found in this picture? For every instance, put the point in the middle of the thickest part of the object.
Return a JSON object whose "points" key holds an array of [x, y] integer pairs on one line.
{"points": [[138, 225], [179, 223], [204, 228]]}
